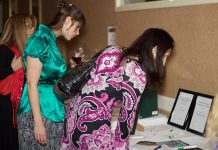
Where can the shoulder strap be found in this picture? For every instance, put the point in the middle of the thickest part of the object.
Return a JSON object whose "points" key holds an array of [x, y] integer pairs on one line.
{"points": [[99, 53]]}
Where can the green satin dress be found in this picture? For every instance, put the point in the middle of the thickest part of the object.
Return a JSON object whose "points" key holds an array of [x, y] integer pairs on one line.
{"points": [[42, 45]]}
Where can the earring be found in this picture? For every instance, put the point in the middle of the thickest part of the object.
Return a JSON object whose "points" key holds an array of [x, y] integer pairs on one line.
{"points": [[66, 27]]}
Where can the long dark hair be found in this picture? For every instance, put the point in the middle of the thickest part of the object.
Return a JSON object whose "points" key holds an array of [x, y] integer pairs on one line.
{"points": [[142, 47], [65, 10]]}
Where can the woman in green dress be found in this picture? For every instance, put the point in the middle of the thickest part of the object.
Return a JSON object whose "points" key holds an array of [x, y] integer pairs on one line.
{"points": [[40, 115]]}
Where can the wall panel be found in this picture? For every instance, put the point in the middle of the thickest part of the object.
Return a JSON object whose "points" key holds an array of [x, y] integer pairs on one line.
{"points": [[194, 64]]}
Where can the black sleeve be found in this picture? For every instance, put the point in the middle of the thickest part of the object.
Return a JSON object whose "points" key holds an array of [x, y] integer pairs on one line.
{"points": [[6, 57]]}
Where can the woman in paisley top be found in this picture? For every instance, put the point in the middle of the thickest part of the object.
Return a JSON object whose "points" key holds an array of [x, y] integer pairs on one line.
{"points": [[119, 78], [41, 114]]}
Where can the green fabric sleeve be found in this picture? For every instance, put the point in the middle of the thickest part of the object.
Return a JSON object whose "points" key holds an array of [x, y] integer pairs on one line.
{"points": [[36, 48]]}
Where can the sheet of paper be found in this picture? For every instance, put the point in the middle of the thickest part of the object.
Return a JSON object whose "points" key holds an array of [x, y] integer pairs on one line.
{"points": [[181, 109], [163, 132], [200, 114]]}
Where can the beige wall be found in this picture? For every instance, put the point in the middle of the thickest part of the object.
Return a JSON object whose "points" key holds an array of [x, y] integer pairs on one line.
{"points": [[194, 65], [49, 9]]}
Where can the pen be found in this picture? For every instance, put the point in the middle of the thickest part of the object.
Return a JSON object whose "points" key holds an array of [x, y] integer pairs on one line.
{"points": [[187, 147], [191, 146], [158, 147]]}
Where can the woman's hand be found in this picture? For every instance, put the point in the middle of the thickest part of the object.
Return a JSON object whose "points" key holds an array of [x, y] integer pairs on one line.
{"points": [[72, 63], [40, 132], [16, 63], [67, 103], [34, 67]]}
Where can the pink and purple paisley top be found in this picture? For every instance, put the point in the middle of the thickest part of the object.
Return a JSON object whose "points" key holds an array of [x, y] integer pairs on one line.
{"points": [[88, 118]]}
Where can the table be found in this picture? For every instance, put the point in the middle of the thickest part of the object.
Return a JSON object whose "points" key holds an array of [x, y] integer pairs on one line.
{"points": [[156, 129]]}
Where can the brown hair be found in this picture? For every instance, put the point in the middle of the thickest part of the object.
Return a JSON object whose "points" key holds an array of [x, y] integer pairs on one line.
{"points": [[14, 30], [65, 10]]}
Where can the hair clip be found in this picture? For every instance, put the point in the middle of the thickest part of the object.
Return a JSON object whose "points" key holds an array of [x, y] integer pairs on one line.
{"points": [[63, 3]]}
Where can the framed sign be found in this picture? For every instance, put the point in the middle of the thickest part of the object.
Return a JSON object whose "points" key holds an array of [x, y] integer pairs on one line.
{"points": [[181, 108], [200, 113]]}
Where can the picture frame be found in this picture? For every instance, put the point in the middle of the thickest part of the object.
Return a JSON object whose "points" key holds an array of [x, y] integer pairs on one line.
{"points": [[200, 113], [133, 5], [181, 109]]}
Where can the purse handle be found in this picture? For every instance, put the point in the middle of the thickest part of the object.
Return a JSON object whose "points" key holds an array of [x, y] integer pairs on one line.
{"points": [[98, 54]]}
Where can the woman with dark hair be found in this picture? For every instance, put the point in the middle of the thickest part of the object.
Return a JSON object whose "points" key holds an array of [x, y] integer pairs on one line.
{"points": [[118, 78], [17, 30], [40, 114]]}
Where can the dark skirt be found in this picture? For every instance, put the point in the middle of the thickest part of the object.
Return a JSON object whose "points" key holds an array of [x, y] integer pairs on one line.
{"points": [[8, 133], [26, 133]]}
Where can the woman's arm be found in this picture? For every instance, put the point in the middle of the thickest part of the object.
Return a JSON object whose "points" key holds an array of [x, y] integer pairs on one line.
{"points": [[16, 63], [34, 67], [133, 85]]}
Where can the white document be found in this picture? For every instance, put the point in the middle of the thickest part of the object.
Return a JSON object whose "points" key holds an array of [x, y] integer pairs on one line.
{"points": [[180, 111], [201, 111]]}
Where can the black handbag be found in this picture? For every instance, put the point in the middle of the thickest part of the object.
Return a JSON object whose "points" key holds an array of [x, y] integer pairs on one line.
{"points": [[73, 81]]}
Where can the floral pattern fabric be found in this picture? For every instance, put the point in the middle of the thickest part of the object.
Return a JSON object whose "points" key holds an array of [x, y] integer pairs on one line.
{"points": [[88, 118]]}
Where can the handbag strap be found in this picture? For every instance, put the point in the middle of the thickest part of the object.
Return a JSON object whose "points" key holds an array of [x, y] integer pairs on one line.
{"points": [[97, 54]]}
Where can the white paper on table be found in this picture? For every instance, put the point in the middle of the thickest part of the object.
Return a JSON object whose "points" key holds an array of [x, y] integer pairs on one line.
{"points": [[164, 132], [155, 120]]}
